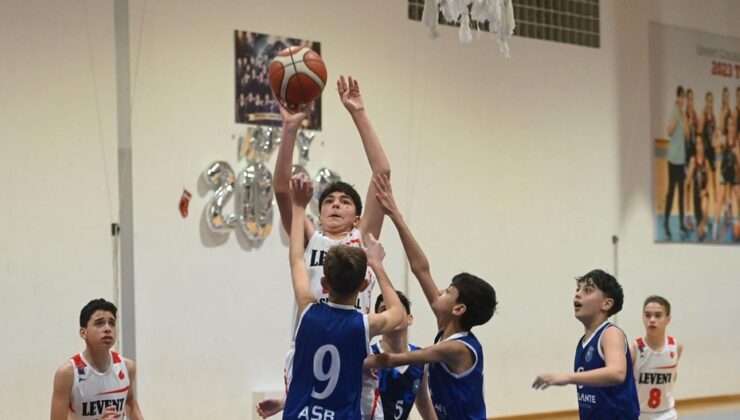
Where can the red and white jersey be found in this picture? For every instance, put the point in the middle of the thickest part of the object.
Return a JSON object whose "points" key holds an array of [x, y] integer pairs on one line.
{"points": [[316, 249], [655, 373], [93, 391]]}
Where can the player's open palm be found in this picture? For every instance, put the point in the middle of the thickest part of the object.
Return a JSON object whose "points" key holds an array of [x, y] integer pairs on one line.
{"points": [[349, 94], [302, 189], [373, 248], [294, 119], [384, 194]]}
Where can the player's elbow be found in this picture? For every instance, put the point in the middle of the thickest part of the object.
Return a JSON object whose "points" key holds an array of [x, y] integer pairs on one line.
{"points": [[616, 376]]}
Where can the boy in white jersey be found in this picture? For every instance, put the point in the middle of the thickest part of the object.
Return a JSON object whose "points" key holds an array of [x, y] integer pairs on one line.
{"points": [[97, 383], [341, 218], [655, 359], [332, 339]]}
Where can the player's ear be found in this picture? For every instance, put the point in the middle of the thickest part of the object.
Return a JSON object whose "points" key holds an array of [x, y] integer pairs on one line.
{"points": [[607, 305], [667, 319], [355, 224], [83, 333], [409, 320], [459, 309]]}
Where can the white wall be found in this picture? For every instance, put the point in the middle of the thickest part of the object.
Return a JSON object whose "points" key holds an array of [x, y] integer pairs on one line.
{"points": [[517, 170], [58, 185]]}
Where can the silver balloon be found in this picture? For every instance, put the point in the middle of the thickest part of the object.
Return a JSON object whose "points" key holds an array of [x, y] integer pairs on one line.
{"points": [[303, 143], [254, 202], [260, 144], [323, 179], [220, 176]]}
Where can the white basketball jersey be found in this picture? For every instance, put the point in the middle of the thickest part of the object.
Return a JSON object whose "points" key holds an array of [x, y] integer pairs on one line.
{"points": [[93, 391], [655, 373], [316, 249]]}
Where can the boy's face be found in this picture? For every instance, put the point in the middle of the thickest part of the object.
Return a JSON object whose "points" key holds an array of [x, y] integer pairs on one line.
{"points": [[337, 213], [654, 317], [590, 301], [100, 330], [447, 304]]}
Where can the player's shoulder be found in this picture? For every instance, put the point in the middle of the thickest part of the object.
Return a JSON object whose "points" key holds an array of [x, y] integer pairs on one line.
{"points": [[130, 364], [64, 377]]}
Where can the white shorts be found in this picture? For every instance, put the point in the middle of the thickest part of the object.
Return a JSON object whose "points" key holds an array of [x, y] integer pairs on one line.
{"points": [[669, 414]]}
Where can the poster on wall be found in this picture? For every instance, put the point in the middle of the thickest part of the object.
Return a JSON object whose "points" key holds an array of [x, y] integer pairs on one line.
{"points": [[254, 102], [695, 112]]}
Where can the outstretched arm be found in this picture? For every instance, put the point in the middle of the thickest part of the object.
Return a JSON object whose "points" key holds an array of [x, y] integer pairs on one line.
{"points": [[453, 353], [351, 97], [283, 168], [302, 191], [394, 315], [417, 260], [614, 347]]}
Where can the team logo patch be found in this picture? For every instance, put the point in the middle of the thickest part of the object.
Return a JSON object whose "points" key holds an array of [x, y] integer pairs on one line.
{"points": [[589, 354], [121, 375], [672, 355]]}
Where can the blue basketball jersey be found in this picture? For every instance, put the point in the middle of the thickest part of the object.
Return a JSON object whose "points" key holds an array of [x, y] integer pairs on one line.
{"points": [[331, 343], [458, 396], [398, 387], [609, 402]]}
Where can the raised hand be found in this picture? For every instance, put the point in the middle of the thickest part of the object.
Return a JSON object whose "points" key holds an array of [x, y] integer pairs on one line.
{"points": [[302, 190], [384, 194], [294, 119], [349, 94], [374, 249]]}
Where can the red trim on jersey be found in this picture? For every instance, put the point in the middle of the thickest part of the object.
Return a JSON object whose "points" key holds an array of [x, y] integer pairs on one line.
{"points": [[640, 343], [79, 363], [671, 341], [115, 391], [375, 403], [116, 357], [667, 367]]}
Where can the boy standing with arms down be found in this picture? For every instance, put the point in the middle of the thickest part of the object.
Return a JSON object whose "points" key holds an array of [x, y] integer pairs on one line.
{"points": [[97, 383], [333, 339], [602, 371], [655, 359], [456, 359]]}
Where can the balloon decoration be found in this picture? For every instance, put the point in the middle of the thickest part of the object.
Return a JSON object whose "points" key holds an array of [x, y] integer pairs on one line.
{"points": [[253, 184], [220, 176]]}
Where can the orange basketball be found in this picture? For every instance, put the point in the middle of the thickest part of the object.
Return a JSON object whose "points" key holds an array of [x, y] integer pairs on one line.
{"points": [[297, 77]]}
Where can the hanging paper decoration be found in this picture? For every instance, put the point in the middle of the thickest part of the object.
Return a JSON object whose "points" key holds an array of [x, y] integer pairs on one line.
{"points": [[498, 13]]}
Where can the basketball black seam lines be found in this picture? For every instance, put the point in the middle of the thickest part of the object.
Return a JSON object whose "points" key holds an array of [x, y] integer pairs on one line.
{"points": [[295, 72]]}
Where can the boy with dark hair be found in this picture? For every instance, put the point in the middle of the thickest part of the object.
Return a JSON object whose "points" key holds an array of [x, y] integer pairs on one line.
{"points": [[340, 208], [606, 384], [333, 339], [655, 359], [455, 361], [400, 387], [97, 383]]}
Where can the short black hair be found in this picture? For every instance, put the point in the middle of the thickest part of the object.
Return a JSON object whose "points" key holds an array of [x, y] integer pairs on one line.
{"points": [[345, 268], [660, 300], [478, 297], [345, 188], [679, 91], [608, 285], [96, 305], [404, 301]]}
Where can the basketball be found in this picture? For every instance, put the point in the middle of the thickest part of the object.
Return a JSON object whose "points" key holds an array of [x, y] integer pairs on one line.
{"points": [[297, 77]]}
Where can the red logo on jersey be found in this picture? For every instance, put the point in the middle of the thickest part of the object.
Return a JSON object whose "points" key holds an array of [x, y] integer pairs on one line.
{"points": [[672, 355], [121, 375]]}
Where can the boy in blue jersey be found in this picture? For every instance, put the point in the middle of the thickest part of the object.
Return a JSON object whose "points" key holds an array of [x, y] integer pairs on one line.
{"points": [[399, 388], [332, 339], [455, 361], [603, 364]]}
